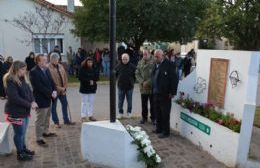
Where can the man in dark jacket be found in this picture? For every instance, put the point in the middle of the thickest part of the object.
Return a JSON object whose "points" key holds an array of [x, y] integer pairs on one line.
{"points": [[125, 73], [43, 90], [164, 88]]}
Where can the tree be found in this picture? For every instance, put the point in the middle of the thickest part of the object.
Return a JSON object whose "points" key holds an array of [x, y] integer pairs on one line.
{"points": [[237, 20], [39, 21], [140, 20]]}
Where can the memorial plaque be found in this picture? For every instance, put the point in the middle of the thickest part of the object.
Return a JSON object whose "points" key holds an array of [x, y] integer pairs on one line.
{"points": [[217, 81]]}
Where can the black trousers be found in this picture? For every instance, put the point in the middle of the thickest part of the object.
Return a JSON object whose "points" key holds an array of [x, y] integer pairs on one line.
{"points": [[162, 107], [145, 98]]}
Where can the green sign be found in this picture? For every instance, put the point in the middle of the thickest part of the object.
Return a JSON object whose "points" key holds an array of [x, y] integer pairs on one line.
{"points": [[192, 121]]}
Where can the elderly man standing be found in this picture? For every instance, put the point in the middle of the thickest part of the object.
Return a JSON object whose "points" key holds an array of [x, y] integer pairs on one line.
{"points": [[60, 79], [143, 76], [43, 90], [164, 88], [125, 72]]}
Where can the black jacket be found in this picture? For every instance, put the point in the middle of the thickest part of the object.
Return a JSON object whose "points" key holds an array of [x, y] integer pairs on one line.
{"points": [[126, 76], [43, 86], [30, 63], [167, 82], [19, 100], [85, 75]]}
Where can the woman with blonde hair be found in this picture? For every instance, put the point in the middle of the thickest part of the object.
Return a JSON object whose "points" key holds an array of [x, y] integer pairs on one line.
{"points": [[19, 103]]}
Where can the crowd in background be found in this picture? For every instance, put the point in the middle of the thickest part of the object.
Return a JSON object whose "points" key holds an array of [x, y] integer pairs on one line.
{"points": [[40, 81]]}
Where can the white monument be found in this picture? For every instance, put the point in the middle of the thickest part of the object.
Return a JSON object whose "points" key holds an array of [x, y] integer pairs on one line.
{"points": [[109, 144], [236, 86]]}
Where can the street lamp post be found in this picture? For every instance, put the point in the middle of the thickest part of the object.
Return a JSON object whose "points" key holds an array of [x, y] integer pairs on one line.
{"points": [[112, 37]]}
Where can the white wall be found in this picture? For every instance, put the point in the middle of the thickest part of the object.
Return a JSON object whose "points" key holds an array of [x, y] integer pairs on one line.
{"points": [[10, 35], [240, 100], [243, 62]]}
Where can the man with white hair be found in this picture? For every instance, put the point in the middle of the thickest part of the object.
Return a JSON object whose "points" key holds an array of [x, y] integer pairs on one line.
{"points": [[60, 79], [164, 88], [125, 72]]}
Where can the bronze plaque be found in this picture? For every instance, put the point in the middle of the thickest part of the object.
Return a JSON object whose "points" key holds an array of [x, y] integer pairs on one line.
{"points": [[218, 81]]}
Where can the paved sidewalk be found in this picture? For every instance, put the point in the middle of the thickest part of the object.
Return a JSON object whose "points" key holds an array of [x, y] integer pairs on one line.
{"points": [[64, 151], [177, 152]]}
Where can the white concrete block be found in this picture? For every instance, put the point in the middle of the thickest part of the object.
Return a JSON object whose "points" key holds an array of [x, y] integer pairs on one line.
{"points": [[6, 142], [222, 143], [109, 144]]}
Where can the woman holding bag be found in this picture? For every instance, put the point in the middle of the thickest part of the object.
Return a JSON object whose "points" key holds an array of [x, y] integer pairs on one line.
{"points": [[18, 106]]}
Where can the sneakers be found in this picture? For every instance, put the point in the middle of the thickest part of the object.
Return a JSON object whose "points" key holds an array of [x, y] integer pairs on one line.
{"points": [[92, 118], [70, 123], [120, 116], [57, 126], [42, 143], [29, 152], [50, 134], [129, 115], [24, 157], [84, 119]]}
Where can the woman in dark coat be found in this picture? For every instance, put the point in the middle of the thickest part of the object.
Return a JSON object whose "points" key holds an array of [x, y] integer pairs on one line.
{"points": [[18, 106], [88, 76]]}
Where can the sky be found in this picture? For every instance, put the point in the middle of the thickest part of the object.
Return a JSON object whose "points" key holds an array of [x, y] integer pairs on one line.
{"points": [[64, 2]]}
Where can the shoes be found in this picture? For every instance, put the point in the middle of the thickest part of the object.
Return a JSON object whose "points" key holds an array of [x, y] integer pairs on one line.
{"points": [[50, 134], [42, 143], [57, 126], [24, 157], [70, 123], [164, 136], [143, 121], [120, 115], [129, 115], [84, 119], [29, 152], [156, 131], [92, 119]]}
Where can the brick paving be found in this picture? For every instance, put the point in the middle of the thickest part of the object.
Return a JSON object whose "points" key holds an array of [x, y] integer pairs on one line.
{"points": [[64, 151], [176, 151]]}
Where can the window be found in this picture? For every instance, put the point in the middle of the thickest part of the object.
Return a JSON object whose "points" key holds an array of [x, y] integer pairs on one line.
{"points": [[45, 43]]}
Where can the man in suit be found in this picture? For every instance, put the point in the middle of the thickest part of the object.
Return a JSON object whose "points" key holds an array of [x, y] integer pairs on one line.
{"points": [[44, 91], [164, 88]]}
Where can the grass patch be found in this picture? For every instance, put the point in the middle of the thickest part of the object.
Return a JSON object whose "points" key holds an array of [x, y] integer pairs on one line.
{"points": [[257, 117], [73, 79]]}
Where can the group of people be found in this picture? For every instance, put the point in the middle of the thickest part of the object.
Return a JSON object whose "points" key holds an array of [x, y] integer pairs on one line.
{"points": [[46, 82], [158, 82], [101, 59]]}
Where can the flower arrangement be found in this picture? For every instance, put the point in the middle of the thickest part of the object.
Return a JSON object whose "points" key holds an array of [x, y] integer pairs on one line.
{"points": [[209, 111], [145, 148]]}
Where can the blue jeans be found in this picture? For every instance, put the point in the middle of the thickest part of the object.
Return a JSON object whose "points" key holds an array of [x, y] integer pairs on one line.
{"points": [[71, 69], [106, 66], [64, 106], [20, 135], [121, 98]]}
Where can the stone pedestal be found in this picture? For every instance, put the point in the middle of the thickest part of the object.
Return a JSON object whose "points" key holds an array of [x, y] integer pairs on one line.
{"points": [[6, 141], [109, 144]]}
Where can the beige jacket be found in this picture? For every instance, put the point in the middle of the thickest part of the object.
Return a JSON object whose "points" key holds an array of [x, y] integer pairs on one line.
{"points": [[61, 81]]}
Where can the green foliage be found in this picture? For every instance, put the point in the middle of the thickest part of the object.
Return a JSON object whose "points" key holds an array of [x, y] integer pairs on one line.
{"points": [[239, 21], [208, 110], [140, 20]]}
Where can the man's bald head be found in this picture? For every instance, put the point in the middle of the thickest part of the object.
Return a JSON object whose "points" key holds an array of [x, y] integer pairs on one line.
{"points": [[125, 58]]}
